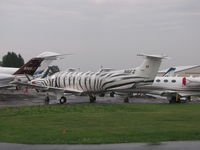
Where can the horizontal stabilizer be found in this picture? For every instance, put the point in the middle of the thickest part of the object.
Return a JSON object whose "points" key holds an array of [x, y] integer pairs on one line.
{"points": [[51, 55], [153, 56]]}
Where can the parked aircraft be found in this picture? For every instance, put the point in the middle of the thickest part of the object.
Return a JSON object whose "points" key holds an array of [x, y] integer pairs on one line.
{"points": [[95, 83], [173, 87], [35, 65], [176, 88]]}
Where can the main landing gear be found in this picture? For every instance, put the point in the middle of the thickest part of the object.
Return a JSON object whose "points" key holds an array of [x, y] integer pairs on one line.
{"points": [[112, 94], [126, 100], [63, 100], [175, 99], [92, 99], [60, 98]]}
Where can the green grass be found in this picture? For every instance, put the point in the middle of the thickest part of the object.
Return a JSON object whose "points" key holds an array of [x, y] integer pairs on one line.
{"points": [[86, 124]]}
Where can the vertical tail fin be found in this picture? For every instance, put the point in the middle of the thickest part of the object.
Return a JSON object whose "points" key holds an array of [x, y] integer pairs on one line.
{"points": [[37, 63], [30, 67], [150, 66]]}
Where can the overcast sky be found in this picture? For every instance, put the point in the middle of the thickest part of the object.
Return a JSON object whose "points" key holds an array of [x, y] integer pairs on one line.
{"points": [[102, 32]]}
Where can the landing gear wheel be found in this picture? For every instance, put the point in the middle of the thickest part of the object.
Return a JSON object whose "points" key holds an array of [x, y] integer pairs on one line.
{"points": [[102, 95], [172, 100], [126, 100], [188, 98], [63, 100], [92, 99], [112, 94]]}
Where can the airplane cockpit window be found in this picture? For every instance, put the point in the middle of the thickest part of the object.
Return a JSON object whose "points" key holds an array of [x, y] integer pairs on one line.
{"points": [[173, 81], [158, 80], [165, 80]]}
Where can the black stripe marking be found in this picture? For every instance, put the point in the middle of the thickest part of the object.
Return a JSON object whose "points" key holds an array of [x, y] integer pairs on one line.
{"points": [[118, 85], [117, 75]]}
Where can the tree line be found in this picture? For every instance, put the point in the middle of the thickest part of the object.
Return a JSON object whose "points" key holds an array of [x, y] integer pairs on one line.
{"points": [[11, 59]]}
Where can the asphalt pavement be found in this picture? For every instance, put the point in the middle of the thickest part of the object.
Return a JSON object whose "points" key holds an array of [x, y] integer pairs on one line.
{"points": [[23, 98], [181, 145]]}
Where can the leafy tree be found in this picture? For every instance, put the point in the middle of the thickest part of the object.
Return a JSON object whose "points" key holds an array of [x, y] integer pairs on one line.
{"points": [[12, 60]]}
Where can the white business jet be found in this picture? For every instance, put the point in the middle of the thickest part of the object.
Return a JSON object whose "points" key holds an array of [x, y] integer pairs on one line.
{"points": [[173, 87], [33, 66]]}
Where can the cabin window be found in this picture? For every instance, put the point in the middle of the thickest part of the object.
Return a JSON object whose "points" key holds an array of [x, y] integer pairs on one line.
{"points": [[173, 81], [165, 80], [158, 80]]}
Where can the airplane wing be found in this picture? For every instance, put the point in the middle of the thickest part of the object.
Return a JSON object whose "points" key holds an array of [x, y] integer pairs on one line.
{"points": [[46, 88], [6, 86], [173, 93], [189, 93]]}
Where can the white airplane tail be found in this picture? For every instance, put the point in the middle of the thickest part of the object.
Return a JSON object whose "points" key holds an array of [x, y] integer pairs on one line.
{"points": [[150, 66]]}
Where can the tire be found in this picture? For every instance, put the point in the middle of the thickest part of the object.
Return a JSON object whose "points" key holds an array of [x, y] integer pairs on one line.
{"points": [[102, 95], [112, 94], [188, 99], [63, 100], [92, 99], [126, 100], [172, 100]]}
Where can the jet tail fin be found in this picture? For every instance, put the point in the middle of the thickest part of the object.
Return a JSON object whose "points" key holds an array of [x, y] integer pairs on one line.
{"points": [[30, 67], [150, 66], [35, 63]]}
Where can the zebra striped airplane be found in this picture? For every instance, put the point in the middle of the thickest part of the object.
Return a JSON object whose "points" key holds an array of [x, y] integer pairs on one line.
{"points": [[101, 82]]}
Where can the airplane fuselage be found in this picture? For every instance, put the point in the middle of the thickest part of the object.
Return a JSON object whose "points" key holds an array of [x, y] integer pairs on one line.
{"points": [[7, 70], [93, 81], [177, 83]]}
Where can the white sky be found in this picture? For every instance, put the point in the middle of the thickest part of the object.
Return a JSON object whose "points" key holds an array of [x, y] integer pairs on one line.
{"points": [[102, 32]]}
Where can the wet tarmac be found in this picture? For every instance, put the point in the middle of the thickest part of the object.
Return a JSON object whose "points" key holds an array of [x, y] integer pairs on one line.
{"points": [[21, 98], [181, 145]]}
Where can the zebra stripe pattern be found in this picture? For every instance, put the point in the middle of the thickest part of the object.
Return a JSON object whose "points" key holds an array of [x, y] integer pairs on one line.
{"points": [[92, 81]]}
